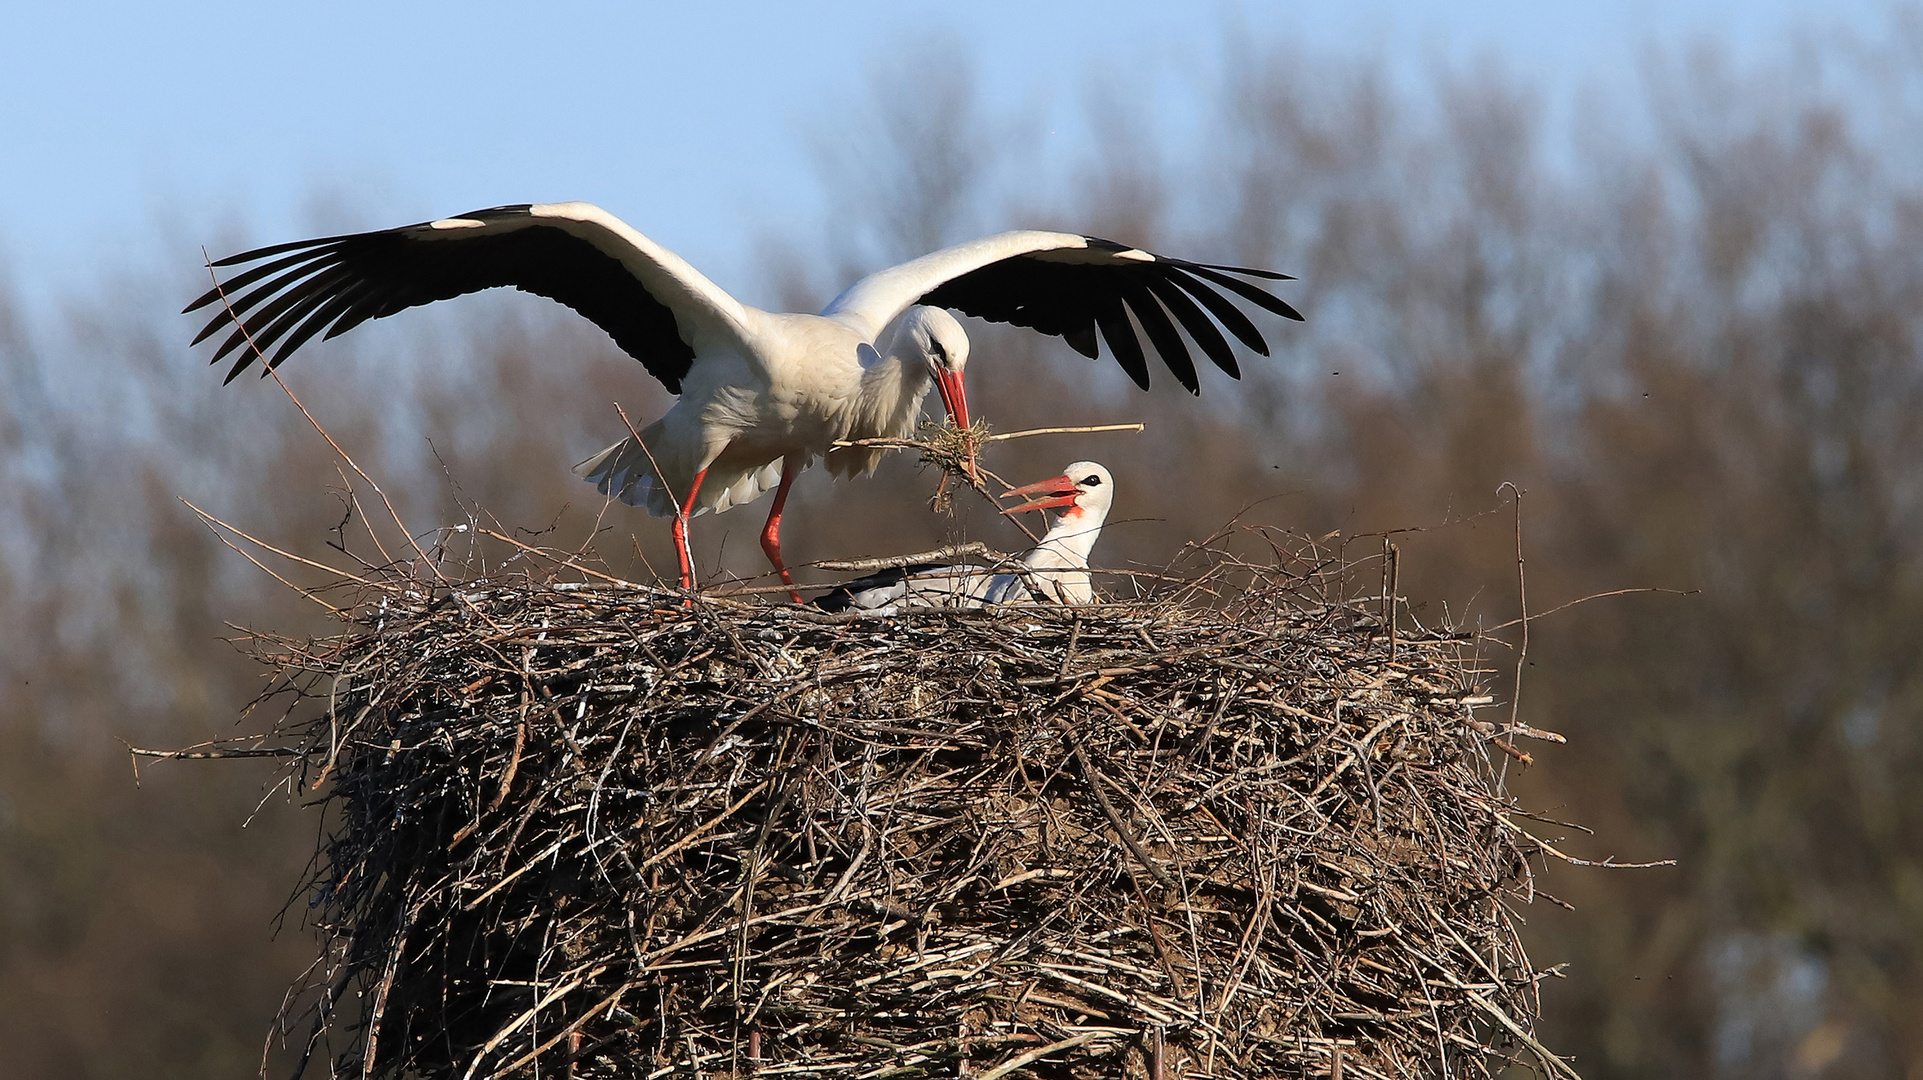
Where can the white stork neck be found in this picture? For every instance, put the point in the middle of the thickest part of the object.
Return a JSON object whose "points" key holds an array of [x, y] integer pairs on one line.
{"points": [[1070, 538], [886, 400], [1060, 561], [908, 363]]}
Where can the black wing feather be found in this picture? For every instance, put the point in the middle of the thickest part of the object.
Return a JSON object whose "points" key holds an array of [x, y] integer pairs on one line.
{"points": [[1161, 332], [303, 305], [1072, 300], [233, 285], [1224, 311], [335, 309], [241, 303], [1082, 340], [1200, 329], [1122, 342], [336, 283], [1246, 291], [262, 322]]}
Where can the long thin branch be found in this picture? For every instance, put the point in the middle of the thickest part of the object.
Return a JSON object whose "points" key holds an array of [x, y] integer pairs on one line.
{"points": [[1586, 599], [944, 554], [208, 755], [270, 572], [917, 444], [288, 555], [975, 482], [1065, 431]]}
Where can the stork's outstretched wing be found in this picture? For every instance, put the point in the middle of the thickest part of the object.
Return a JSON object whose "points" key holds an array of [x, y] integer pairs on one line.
{"points": [[1069, 286], [656, 307]]}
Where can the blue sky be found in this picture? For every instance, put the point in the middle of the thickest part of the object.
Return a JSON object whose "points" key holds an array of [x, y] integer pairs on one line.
{"points": [[128, 126]]}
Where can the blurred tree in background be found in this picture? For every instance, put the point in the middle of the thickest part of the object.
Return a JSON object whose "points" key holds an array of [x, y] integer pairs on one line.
{"points": [[1687, 325]]}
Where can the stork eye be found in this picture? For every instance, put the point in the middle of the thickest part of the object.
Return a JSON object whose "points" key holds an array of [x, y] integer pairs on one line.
{"points": [[1092, 480], [935, 347]]}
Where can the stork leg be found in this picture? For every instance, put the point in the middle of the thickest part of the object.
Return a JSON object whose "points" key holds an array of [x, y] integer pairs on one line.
{"points": [[681, 531], [771, 532]]}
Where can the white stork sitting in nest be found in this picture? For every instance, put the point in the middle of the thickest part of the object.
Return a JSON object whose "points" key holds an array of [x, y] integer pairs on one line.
{"points": [[762, 394], [1054, 570]]}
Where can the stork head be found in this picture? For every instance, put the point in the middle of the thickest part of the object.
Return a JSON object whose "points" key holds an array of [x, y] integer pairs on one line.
{"points": [[939, 339], [1083, 493]]}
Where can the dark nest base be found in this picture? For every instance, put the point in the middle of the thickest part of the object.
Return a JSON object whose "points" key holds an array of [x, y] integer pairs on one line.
{"points": [[583, 829]]}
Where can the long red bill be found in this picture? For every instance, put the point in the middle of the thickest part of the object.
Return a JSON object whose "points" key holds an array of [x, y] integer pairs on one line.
{"points": [[1060, 491], [954, 398]]}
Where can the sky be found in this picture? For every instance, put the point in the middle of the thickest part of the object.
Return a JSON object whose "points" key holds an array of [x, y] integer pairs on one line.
{"points": [[135, 128]]}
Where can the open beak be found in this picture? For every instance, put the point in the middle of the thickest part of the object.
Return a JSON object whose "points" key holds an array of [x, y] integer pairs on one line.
{"points": [[954, 398], [1055, 491]]}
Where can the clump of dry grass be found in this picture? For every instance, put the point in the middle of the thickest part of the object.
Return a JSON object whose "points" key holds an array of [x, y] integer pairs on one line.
{"points": [[1234, 828]]}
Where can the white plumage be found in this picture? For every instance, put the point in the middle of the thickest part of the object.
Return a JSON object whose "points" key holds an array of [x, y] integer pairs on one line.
{"points": [[815, 382]]}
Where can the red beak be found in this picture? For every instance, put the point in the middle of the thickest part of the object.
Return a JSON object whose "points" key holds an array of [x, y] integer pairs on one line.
{"points": [[954, 397], [1058, 491]]}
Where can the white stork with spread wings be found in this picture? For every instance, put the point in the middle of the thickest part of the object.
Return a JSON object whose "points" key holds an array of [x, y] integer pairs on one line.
{"points": [[762, 394]]}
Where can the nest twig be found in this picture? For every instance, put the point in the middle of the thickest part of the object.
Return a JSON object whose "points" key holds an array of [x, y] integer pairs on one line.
{"points": [[1217, 831]]}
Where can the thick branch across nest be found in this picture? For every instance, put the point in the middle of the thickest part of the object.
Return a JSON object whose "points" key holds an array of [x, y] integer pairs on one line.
{"points": [[584, 828]]}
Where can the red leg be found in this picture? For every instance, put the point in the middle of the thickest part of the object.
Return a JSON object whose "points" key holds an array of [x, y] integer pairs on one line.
{"points": [[681, 531], [771, 533]]}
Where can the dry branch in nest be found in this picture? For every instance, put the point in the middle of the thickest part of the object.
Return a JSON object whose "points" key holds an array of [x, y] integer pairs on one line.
{"points": [[1233, 829]]}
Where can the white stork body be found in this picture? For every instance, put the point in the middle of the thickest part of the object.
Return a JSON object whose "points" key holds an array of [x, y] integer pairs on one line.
{"points": [[762, 394], [808, 382], [1055, 570]]}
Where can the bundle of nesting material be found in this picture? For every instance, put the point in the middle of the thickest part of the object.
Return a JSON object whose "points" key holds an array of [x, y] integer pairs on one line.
{"points": [[1238, 829]]}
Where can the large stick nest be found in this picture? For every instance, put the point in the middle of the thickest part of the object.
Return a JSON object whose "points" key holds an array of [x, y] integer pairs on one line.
{"points": [[583, 828]]}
